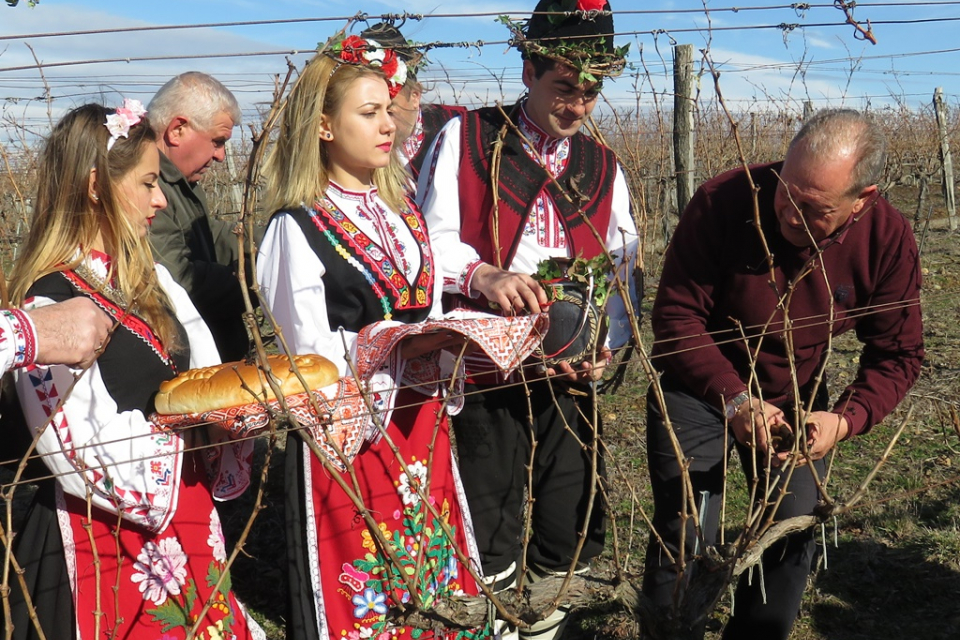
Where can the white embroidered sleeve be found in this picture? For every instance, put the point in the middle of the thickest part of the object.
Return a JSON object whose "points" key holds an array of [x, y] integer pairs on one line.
{"points": [[117, 458], [18, 339], [291, 280]]}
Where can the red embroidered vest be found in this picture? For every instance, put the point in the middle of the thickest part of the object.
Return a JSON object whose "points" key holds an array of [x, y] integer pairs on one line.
{"points": [[434, 117], [588, 179]]}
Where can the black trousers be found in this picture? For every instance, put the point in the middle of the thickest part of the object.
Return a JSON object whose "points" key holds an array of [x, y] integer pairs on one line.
{"points": [[786, 566], [494, 436]]}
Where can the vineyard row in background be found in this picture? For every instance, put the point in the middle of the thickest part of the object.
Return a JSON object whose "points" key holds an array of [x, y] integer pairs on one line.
{"points": [[645, 141]]}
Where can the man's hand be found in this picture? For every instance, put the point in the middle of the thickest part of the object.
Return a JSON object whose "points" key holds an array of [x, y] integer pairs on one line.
{"points": [[70, 332], [584, 372], [824, 431], [751, 425], [512, 291]]}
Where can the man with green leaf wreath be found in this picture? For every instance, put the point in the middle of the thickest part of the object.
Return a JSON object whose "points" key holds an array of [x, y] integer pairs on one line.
{"points": [[503, 190]]}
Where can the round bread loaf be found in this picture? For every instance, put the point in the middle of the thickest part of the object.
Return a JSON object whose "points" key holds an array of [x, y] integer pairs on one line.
{"points": [[220, 387]]}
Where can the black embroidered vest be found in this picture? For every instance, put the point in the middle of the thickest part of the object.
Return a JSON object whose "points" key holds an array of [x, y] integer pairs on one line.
{"points": [[434, 117], [361, 283], [134, 362]]}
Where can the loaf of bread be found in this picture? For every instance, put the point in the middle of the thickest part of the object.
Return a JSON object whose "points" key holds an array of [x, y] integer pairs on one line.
{"points": [[222, 386]]}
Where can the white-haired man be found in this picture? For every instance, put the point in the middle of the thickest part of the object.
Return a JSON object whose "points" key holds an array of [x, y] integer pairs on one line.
{"points": [[194, 115], [735, 372]]}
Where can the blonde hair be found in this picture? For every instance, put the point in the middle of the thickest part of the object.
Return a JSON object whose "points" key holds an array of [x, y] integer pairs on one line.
{"points": [[297, 171], [65, 224]]}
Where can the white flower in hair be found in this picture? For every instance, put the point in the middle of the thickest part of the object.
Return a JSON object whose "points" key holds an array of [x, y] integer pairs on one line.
{"points": [[133, 109], [119, 123], [375, 56], [400, 76]]}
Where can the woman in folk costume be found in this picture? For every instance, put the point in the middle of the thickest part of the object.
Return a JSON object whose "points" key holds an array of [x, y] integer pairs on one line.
{"points": [[123, 540], [345, 248]]}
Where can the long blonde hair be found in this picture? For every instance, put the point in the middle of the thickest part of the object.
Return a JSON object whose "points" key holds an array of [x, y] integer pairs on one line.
{"points": [[297, 171], [66, 224]]}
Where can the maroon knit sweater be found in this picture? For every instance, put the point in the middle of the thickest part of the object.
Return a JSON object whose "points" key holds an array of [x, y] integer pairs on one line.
{"points": [[716, 282]]}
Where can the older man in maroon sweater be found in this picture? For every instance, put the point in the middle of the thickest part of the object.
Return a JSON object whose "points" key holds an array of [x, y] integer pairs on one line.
{"points": [[833, 256]]}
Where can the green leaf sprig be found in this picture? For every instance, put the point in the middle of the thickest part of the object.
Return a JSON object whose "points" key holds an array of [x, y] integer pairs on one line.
{"points": [[591, 64], [579, 270]]}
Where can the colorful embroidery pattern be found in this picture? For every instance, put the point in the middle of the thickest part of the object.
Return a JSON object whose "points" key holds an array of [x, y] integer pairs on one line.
{"points": [[126, 319], [544, 222], [374, 263], [163, 449], [466, 276], [507, 341], [432, 171], [340, 428], [411, 146], [24, 338], [554, 152], [427, 558], [161, 575]]}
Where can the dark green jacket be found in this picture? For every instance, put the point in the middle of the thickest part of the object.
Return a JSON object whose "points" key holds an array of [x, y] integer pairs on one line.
{"points": [[201, 253]]}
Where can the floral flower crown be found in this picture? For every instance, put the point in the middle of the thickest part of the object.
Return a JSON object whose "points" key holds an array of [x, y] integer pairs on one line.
{"points": [[360, 51], [120, 122]]}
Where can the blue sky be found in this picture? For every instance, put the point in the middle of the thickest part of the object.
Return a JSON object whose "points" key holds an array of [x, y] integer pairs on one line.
{"points": [[760, 65]]}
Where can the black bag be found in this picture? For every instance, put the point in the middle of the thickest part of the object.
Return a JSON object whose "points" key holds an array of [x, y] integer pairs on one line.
{"points": [[577, 326]]}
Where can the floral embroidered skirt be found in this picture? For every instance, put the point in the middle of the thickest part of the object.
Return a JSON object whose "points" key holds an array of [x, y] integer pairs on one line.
{"points": [[359, 581], [147, 586]]}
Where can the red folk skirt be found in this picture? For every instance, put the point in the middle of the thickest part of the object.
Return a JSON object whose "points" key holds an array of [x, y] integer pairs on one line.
{"points": [[358, 581], [151, 586]]}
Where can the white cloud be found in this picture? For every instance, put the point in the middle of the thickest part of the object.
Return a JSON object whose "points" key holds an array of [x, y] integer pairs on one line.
{"points": [[107, 82]]}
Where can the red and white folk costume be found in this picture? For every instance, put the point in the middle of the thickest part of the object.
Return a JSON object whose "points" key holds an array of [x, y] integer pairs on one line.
{"points": [[327, 272], [461, 238], [535, 219], [18, 339], [128, 496], [430, 120], [371, 244]]}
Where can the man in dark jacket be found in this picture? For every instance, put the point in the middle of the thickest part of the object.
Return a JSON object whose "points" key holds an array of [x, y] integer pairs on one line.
{"points": [[194, 115], [742, 325]]}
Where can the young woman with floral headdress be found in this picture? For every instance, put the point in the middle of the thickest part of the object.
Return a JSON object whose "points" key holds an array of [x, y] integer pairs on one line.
{"points": [[123, 540], [345, 249]]}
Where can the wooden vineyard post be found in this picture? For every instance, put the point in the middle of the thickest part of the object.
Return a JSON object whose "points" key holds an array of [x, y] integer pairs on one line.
{"points": [[946, 160], [683, 122]]}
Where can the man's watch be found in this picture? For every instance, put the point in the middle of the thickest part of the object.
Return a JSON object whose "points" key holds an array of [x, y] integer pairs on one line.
{"points": [[730, 409]]}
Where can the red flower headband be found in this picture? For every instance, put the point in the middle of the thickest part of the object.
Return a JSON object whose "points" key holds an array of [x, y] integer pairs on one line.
{"points": [[357, 50]]}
